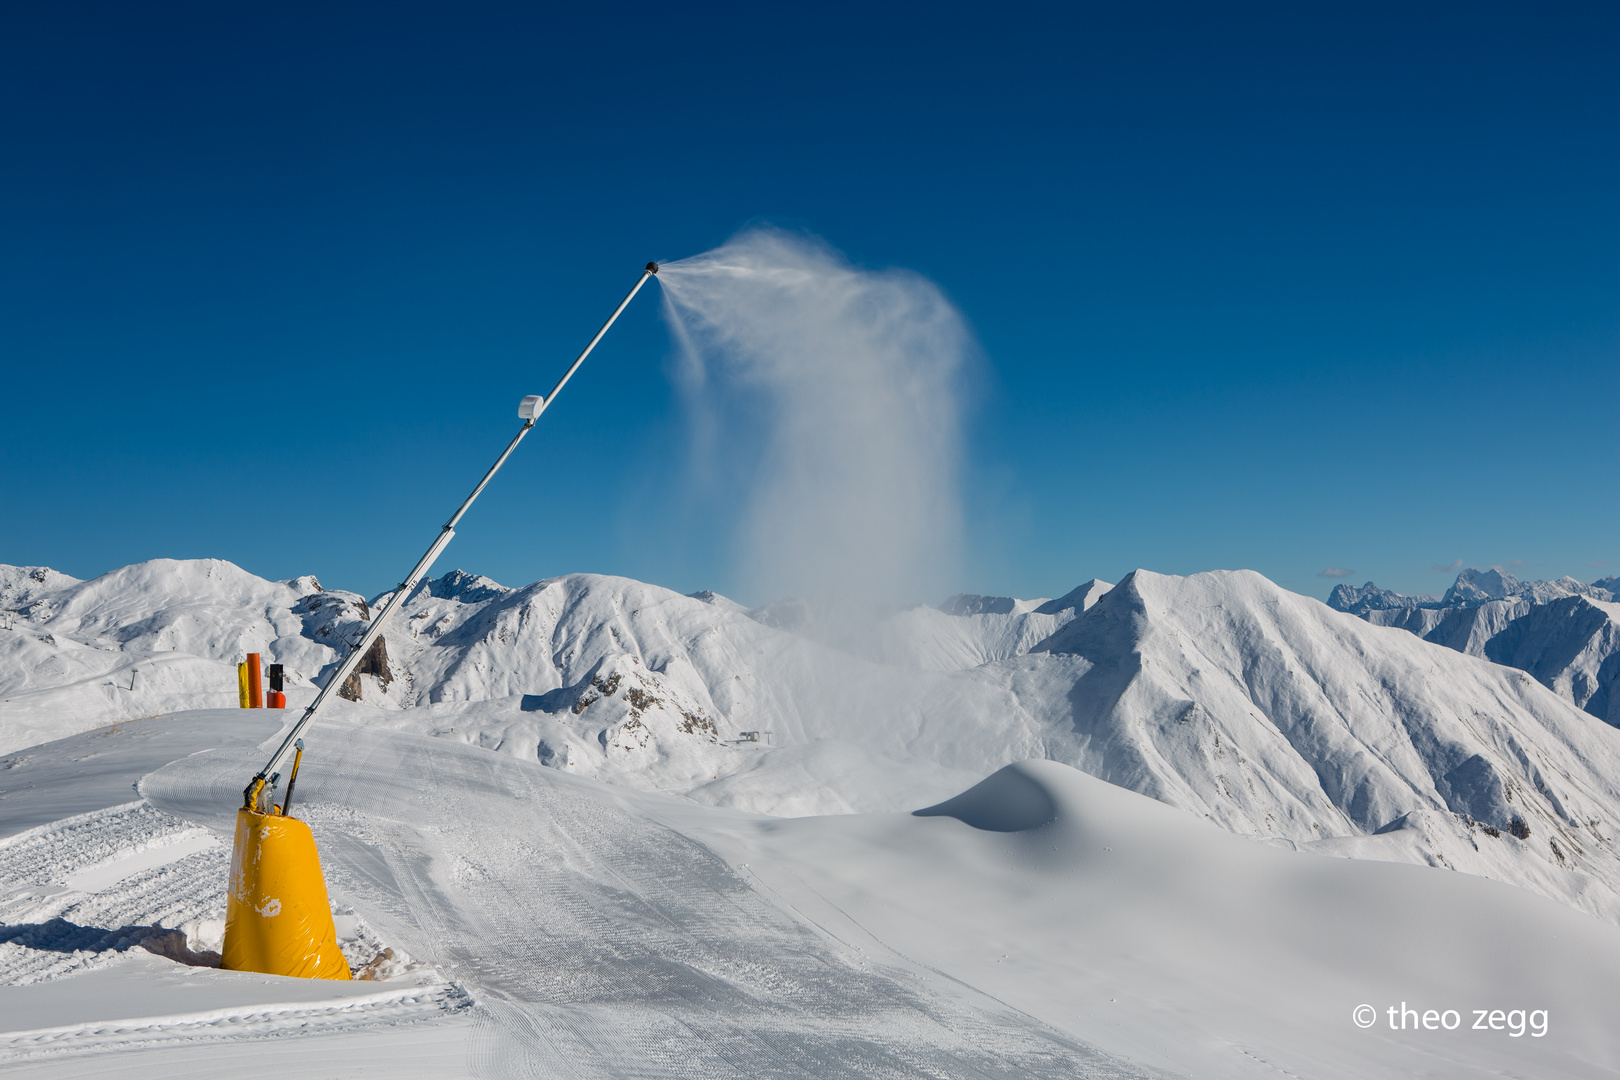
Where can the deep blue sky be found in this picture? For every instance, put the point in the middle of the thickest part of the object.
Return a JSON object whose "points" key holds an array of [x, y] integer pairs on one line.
{"points": [[1277, 286]]}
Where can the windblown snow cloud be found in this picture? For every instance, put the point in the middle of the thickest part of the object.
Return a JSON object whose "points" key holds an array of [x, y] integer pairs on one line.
{"points": [[830, 394], [1335, 572]]}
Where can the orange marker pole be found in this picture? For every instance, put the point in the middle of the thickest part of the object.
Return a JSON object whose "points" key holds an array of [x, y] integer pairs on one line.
{"points": [[255, 682]]}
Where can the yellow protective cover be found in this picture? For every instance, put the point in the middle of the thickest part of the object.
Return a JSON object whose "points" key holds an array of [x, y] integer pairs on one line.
{"points": [[277, 917], [241, 686]]}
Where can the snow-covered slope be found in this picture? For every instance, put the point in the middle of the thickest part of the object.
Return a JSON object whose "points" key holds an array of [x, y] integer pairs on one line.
{"points": [[1152, 935], [967, 631], [1571, 646], [1564, 633], [1040, 924], [595, 675], [1219, 693], [1273, 715], [20, 586], [151, 637]]}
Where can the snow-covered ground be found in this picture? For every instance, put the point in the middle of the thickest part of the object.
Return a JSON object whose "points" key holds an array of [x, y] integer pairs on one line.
{"points": [[591, 827], [1219, 693], [1044, 923]]}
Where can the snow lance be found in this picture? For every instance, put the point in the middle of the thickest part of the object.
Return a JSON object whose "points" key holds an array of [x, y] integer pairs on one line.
{"points": [[278, 920]]}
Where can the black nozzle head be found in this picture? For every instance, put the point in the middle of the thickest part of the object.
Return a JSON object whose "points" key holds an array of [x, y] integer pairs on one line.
{"points": [[652, 268]]}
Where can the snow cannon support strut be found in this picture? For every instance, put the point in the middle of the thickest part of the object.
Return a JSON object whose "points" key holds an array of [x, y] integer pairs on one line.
{"points": [[277, 920]]}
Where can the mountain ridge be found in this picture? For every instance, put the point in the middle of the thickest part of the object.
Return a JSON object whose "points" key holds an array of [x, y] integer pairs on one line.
{"points": [[1218, 693], [1563, 632]]}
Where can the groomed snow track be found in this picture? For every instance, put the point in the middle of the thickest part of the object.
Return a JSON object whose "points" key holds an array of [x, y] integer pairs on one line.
{"points": [[566, 930], [597, 942], [238, 1024]]}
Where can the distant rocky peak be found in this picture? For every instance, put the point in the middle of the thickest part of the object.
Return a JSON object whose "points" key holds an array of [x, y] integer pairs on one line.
{"points": [[22, 585], [1079, 598], [1369, 597], [1476, 586], [465, 587]]}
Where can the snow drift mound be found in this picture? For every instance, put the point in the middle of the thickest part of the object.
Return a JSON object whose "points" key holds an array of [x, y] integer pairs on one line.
{"points": [[1009, 800], [1156, 936]]}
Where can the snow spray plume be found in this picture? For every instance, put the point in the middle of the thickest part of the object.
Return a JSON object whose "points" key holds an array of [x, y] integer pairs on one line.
{"points": [[833, 390]]}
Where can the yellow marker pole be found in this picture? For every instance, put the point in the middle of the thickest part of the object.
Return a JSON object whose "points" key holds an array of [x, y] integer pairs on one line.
{"points": [[241, 686], [278, 920], [255, 682]]}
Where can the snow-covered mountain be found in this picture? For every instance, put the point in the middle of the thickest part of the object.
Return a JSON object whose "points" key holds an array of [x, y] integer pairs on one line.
{"points": [[1219, 693], [1369, 597], [1273, 715], [967, 631], [1472, 588], [153, 637], [1563, 632]]}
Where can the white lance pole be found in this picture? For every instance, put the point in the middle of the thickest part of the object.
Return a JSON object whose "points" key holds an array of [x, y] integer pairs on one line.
{"points": [[530, 410]]}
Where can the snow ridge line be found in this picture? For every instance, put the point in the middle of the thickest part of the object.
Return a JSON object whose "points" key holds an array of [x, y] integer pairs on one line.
{"points": [[404, 1005]]}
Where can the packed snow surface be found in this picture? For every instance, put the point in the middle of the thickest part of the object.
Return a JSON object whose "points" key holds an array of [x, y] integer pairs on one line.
{"points": [[1041, 923]]}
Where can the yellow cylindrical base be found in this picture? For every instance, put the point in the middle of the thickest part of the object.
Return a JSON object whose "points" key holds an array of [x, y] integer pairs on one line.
{"points": [[277, 918]]}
